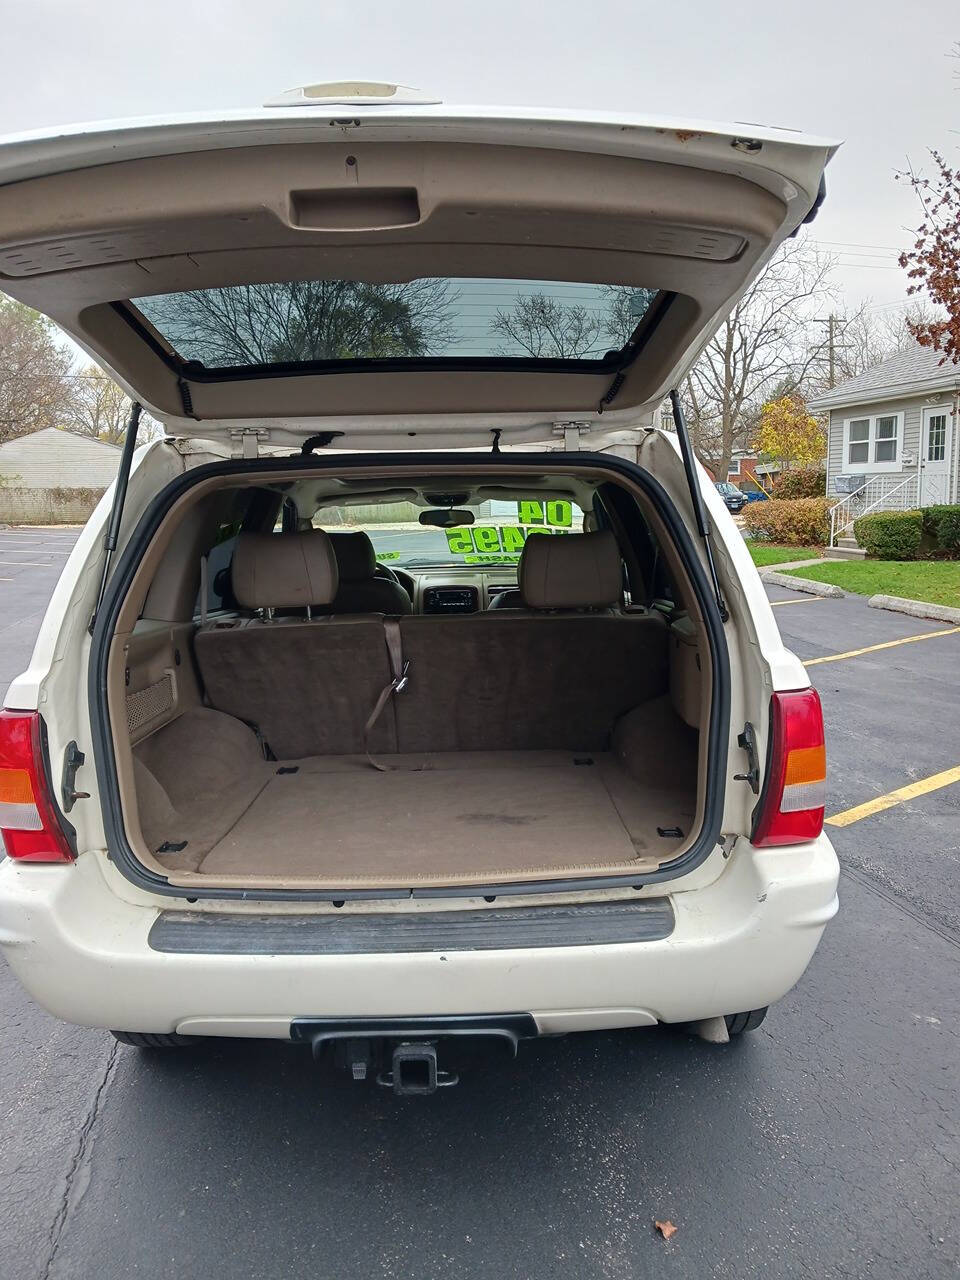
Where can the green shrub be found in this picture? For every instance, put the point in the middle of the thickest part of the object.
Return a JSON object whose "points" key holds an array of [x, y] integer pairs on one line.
{"points": [[890, 535], [942, 524], [803, 522], [806, 482]]}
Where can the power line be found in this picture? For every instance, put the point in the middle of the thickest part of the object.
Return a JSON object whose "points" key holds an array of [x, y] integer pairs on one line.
{"points": [[860, 244]]}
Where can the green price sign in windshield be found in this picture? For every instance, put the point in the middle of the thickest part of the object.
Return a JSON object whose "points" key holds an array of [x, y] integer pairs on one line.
{"points": [[556, 514], [505, 541]]}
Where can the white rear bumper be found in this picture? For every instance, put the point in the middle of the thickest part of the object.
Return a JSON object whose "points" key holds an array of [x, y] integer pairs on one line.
{"points": [[738, 944]]}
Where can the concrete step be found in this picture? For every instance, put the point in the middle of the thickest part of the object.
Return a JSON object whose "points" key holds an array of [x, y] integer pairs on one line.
{"points": [[845, 553], [848, 541]]}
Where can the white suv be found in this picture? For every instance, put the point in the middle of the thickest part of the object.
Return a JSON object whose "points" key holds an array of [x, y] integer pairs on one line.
{"points": [[415, 686]]}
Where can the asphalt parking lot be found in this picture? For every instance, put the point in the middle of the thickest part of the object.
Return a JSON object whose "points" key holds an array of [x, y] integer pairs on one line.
{"points": [[824, 1144]]}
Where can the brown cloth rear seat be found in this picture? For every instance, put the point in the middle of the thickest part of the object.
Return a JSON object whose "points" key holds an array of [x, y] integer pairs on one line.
{"points": [[555, 674], [307, 685]]}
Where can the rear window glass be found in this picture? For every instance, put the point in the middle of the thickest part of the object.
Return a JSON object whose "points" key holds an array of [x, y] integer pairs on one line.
{"points": [[333, 321]]}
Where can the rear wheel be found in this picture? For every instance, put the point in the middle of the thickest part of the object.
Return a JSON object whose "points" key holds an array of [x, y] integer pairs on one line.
{"points": [[152, 1040], [738, 1023]]}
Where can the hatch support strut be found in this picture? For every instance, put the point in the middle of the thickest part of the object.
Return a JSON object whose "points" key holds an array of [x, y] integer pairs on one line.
{"points": [[116, 510], [696, 497]]}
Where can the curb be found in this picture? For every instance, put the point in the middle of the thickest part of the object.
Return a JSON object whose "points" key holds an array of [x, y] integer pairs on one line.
{"points": [[804, 584], [915, 608]]}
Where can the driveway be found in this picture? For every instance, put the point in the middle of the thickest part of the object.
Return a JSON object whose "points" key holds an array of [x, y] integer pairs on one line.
{"points": [[824, 1144]]}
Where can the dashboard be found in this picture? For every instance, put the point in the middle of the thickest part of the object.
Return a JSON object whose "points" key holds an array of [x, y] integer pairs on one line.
{"points": [[447, 589]]}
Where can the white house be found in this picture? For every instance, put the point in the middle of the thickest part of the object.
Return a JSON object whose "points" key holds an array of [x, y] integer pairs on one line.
{"points": [[893, 437], [55, 459]]}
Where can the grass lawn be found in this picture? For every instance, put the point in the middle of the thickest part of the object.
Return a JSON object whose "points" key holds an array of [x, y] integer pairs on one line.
{"points": [[935, 581], [765, 554]]}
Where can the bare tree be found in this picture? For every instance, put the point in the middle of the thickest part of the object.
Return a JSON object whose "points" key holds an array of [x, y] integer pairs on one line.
{"points": [[35, 385], [545, 328], [626, 307], [99, 408], [767, 342], [872, 335], [305, 320]]}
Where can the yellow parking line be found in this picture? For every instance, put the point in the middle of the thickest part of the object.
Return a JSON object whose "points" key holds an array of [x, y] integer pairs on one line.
{"points": [[910, 792], [775, 604], [887, 644]]}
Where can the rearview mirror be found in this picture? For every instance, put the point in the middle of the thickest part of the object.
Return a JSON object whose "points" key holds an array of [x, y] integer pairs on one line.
{"points": [[446, 519]]}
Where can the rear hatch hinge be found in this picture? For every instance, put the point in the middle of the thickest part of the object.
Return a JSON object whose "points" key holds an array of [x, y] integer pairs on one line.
{"points": [[246, 441], [696, 497], [570, 431]]}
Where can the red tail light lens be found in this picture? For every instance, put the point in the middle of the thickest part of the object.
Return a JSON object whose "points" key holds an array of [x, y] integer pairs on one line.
{"points": [[791, 807], [29, 822]]}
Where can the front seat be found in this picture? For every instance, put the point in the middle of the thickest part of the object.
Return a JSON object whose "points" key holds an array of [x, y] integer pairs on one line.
{"points": [[361, 590], [566, 571]]}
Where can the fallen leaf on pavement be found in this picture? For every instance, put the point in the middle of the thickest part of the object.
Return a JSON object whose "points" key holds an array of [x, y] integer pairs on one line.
{"points": [[666, 1229]]}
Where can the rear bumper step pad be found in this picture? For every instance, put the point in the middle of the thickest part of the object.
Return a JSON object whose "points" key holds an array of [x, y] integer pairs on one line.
{"points": [[208, 933]]}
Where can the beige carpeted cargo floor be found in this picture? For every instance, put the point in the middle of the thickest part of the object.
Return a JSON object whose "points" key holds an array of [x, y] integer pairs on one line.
{"points": [[450, 816]]}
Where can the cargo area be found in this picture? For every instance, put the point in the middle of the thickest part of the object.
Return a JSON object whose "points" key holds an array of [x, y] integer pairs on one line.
{"points": [[302, 734], [439, 816]]}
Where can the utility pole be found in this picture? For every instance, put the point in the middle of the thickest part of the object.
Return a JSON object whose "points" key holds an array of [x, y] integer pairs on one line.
{"points": [[832, 324]]}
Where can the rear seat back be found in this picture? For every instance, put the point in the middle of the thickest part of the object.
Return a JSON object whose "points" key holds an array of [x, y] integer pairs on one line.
{"points": [[555, 673], [307, 685], [511, 681]]}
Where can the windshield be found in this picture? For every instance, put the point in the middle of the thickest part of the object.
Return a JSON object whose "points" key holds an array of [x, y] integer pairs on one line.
{"points": [[497, 535]]}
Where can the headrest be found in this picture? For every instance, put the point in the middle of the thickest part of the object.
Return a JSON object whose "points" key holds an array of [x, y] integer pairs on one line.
{"points": [[570, 571], [284, 570], [356, 558]]}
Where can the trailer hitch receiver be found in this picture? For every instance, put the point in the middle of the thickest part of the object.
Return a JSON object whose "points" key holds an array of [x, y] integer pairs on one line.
{"points": [[414, 1070]]}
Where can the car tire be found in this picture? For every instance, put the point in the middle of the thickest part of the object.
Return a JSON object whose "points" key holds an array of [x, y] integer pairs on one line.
{"points": [[153, 1040], [738, 1023]]}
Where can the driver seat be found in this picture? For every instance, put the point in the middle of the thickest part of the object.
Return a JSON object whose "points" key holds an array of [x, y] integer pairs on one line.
{"points": [[361, 590]]}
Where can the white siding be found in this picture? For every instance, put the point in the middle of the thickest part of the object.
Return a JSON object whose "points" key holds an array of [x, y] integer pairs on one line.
{"points": [[54, 459]]}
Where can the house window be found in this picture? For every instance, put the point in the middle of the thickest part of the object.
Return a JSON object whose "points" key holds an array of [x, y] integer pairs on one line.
{"points": [[885, 445], [873, 444], [858, 448]]}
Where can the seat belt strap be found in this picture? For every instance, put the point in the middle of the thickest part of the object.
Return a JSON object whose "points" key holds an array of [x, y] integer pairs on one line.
{"points": [[398, 683]]}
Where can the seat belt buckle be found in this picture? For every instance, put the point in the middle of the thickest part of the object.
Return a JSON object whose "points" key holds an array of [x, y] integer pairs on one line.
{"points": [[400, 682]]}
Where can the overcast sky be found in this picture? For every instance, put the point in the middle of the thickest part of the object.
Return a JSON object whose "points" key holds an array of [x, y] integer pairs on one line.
{"points": [[874, 73]]}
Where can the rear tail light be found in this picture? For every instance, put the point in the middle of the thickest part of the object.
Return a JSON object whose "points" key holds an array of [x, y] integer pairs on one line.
{"points": [[791, 806], [30, 825]]}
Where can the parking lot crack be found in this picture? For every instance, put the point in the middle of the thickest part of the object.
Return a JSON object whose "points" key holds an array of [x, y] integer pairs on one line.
{"points": [[78, 1173]]}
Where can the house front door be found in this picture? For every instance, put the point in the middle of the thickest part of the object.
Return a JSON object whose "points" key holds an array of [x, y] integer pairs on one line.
{"points": [[936, 455]]}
